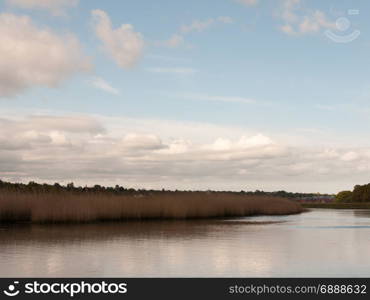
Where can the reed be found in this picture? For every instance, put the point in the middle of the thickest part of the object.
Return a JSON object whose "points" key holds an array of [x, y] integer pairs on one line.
{"points": [[49, 207]]}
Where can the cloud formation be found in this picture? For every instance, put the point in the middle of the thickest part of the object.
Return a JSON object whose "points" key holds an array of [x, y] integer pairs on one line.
{"points": [[299, 20], [31, 56], [197, 25], [202, 25], [101, 84], [178, 39], [56, 7], [156, 154], [123, 44]]}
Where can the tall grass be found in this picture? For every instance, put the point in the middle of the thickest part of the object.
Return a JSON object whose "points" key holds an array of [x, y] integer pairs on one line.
{"points": [[72, 207]]}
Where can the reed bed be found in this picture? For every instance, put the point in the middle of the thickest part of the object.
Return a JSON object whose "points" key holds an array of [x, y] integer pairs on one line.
{"points": [[82, 208]]}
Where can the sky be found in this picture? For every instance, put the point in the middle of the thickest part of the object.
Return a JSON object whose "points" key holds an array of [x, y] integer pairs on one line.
{"points": [[222, 95]]}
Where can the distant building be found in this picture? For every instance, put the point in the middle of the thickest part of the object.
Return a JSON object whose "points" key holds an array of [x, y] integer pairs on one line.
{"points": [[317, 199]]}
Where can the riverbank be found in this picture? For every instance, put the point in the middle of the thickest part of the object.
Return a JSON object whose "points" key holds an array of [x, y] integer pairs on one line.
{"points": [[70, 207], [357, 205]]}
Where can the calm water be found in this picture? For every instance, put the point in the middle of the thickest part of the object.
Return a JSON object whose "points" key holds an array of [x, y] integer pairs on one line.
{"points": [[317, 243]]}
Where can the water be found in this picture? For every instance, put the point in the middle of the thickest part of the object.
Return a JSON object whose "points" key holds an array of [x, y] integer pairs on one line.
{"points": [[319, 243]]}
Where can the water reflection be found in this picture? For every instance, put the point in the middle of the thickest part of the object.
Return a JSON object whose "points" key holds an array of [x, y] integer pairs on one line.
{"points": [[109, 231], [299, 245], [363, 213]]}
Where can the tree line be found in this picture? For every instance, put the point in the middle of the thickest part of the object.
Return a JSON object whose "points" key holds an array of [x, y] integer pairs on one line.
{"points": [[34, 187], [360, 193]]}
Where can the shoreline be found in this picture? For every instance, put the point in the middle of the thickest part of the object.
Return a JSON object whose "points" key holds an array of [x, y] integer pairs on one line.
{"points": [[358, 205], [229, 219]]}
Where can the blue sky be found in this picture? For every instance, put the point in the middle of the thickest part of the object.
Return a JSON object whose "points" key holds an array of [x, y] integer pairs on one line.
{"points": [[284, 71]]}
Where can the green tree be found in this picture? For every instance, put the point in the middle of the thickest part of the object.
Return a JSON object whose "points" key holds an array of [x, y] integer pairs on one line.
{"points": [[344, 197]]}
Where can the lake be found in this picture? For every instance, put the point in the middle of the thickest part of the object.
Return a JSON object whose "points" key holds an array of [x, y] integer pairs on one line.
{"points": [[319, 243]]}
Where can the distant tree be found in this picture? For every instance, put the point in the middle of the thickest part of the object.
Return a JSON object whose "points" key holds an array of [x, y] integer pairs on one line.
{"points": [[70, 186], [97, 188], [361, 193], [344, 197]]}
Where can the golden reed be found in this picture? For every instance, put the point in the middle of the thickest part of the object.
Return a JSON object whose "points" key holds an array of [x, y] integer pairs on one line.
{"points": [[71, 207]]}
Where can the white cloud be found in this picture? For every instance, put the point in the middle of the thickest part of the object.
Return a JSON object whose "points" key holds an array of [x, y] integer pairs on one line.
{"points": [[255, 141], [61, 123], [248, 2], [56, 7], [315, 22], [123, 44], [184, 71], [94, 154], [140, 153], [31, 56], [142, 141], [202, 25], [178, 39], [299, 20], [244, 142], [197, 25], [100, 83], [350, 156]]}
